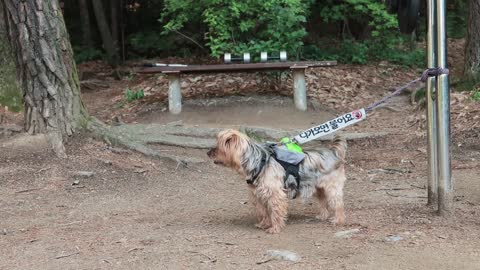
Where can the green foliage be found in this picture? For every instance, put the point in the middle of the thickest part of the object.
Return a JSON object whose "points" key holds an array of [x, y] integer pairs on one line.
{"points": [[371, 13], [383, 38], [476, 95], [456, 19], [239, 26], [378, 39], [83, 54], [11, 98], [470, 85], [353, 52], [360, 52], [10, 94], [133, 95], [401, 56], [362, 30]]}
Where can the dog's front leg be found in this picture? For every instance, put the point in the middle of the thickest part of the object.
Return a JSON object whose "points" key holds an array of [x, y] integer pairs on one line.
{"points": [[260, 211], [276, 202]]}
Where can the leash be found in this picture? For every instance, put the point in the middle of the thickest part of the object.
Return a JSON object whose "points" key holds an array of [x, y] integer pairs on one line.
{"points": [[356, 116]]}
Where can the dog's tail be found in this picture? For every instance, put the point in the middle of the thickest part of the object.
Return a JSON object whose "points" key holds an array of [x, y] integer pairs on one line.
{"points": [[339, 146]]}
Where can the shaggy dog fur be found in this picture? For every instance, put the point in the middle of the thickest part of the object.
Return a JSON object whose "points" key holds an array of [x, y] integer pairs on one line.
{"points": [[322, 173]]}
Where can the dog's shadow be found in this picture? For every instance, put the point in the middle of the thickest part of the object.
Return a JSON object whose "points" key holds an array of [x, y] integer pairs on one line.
{"points": [[248, 220], [299, 218]]}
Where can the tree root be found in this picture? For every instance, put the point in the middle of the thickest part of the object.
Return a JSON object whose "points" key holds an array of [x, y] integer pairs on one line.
{"points": [[112, 136]]}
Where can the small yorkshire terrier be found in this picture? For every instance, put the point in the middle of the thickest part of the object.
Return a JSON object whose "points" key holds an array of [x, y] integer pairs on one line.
{"points": [[322, 173]]}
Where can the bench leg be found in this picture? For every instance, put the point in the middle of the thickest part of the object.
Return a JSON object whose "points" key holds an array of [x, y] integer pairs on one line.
{"points": [[299, 89], [174, 94]]}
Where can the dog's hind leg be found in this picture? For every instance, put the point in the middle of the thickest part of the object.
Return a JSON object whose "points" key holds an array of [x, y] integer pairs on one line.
{"points": [[335, 202], [334, 195], [322, 198]]}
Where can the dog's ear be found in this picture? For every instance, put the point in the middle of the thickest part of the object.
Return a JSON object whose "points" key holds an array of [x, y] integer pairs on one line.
{"points": [[231, 141]]}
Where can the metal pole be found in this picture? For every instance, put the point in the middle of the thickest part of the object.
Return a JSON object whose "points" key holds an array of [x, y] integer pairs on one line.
{"points": [[445, 187], [432, 185]]}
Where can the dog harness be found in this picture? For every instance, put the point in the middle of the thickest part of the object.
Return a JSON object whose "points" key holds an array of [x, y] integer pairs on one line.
{"points": [[289, 160]]}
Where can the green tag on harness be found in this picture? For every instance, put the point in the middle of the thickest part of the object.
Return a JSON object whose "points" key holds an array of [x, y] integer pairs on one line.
{"points": [[291, 146]]}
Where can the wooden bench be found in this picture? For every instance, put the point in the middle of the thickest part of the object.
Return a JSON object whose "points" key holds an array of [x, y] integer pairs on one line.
{"points": [[298, 69]]}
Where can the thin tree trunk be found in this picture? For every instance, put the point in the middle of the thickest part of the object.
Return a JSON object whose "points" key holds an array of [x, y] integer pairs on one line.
{"points": [[472, 45], [105, 33], [114, 20], [85, 22], [45, 69]]}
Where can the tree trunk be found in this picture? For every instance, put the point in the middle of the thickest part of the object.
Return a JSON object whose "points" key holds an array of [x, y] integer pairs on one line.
{"points": [[472, 45], [114, 21], [85, 22], [108, 44], [46, 70]]}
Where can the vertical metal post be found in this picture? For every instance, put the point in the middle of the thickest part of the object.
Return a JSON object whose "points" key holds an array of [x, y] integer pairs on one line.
{"points": [[174, 92], [445, 187], [299, 88], [432, 185]]}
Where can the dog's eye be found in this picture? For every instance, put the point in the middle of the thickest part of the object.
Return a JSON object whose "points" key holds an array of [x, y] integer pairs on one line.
{"points": [[228, 141]]}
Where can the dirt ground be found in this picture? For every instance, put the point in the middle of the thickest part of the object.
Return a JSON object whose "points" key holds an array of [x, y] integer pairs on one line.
{"points": [[109, 208]]}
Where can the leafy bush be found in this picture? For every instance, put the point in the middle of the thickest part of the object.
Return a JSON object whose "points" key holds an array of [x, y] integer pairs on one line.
{"points": [[133, 95], [360, 52], [371, 14], [476, 95], [456, 19], [376, 36], [239, 26]]}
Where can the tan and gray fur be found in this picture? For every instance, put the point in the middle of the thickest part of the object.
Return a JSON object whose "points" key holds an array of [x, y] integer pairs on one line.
{"points": [[322, 173]]}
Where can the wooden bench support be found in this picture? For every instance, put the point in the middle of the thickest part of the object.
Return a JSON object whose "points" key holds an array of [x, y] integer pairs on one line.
{"points": [[299, 88], [174, 92]]}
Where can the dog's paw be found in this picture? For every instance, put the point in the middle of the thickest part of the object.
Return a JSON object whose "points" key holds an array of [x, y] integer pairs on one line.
{"points": [[337, 221], [261, 226], [323, 215], [273, 230]]}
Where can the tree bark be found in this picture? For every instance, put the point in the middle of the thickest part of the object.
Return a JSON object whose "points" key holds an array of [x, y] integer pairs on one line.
{"points": [[46, 70], [472, 45], [85, 22], [108, 44]]}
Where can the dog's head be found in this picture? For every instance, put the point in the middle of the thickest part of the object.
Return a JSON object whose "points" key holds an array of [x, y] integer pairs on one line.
{"points": [[230, 148]]}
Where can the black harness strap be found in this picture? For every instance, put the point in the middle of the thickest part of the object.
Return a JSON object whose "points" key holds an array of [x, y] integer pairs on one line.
{"points": [[263, 162], [290, 169]]}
